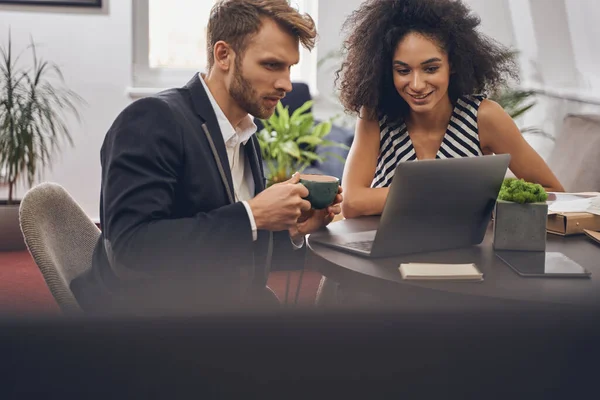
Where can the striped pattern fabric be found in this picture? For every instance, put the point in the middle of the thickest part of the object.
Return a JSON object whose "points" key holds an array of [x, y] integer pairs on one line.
{"points": [[461, 140]]}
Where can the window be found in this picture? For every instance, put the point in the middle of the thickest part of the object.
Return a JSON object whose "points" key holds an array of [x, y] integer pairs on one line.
{"points": [[584, 28], [556, 53], [170, 43]]}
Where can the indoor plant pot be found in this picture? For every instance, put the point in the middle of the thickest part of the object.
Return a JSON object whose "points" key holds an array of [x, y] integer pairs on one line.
{"points": [[520, 216], [288, 142], [11, 238], [32, 100]]}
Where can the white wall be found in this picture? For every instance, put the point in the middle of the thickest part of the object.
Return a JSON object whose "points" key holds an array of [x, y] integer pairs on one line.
{"points": [[560, 59], [583, 17], [93, 49], [495, 19], [332, 14]]}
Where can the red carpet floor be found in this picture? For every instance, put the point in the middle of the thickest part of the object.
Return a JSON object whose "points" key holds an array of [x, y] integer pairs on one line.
{"points": [[22, 287], [24, 291]]}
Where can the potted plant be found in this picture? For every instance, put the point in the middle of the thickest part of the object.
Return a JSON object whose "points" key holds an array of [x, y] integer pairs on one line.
{"points": [[516, 102], [32, 128], [288, 143], [520, 216]]}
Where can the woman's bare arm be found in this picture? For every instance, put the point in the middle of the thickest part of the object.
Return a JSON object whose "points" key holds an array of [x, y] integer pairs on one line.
{"points": [[359, 198], [499, 134]]}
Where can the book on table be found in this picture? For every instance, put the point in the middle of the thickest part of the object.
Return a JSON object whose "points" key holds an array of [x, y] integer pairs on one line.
{"points": [[434, 271]]}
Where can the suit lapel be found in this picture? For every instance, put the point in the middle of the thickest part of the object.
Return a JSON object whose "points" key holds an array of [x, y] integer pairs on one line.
{"points": [[264, 246], [213, 133], [210, 127], [252, 155]]}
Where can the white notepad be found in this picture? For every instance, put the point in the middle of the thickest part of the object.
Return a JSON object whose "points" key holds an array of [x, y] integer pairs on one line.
{"points": [[429, 271]]}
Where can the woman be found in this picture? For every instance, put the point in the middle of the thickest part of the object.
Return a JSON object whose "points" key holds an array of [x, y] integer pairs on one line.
{"points": [[416, 72]]}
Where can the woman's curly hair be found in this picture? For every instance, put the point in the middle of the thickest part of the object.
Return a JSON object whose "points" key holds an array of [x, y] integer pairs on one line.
{"points": [[479, 64]]}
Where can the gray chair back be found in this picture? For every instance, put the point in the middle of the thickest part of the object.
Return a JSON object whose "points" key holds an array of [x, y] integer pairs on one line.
{"points": [[574, 159], [60, 237]]}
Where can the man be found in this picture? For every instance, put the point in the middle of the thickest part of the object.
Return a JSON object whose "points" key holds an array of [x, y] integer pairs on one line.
{"points": [[187, 223]]}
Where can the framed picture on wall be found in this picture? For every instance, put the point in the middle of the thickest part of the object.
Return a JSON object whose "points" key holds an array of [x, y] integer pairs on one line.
{"points": [[68, 3]]}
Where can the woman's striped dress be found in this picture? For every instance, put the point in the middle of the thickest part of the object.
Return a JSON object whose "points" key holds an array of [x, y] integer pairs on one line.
{"points": [[461, 140]]}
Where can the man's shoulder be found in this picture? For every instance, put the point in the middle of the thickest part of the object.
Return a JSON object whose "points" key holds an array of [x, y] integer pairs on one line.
{"points": [[165, 100], [173, 96], [149, 116]]}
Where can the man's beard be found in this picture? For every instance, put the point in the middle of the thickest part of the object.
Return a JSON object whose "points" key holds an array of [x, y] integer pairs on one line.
{"points": [[246, 96]]}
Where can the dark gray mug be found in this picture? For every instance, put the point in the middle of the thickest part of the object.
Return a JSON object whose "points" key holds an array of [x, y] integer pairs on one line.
{"points": [[322, 189]]}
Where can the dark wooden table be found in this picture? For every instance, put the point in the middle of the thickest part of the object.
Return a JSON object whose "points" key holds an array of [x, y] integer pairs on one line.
{"points": [[501, 287]]}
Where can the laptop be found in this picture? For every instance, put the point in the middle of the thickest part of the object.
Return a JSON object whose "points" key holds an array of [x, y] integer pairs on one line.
{"points": [[432, 205]]}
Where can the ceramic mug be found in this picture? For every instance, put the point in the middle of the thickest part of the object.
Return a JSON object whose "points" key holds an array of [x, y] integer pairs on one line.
{"points": [[322, 189]]}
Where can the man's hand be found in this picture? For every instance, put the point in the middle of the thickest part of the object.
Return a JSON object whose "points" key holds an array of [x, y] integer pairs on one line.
{"points": [[313, 220], [278, 207]]}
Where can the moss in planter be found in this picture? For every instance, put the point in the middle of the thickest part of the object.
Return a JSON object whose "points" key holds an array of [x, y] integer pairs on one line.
{"points": [[520, 216], [519, 191]]}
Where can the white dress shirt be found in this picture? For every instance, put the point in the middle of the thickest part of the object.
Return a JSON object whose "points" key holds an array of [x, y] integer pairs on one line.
{"points": [[243, 182], [241, 172]]}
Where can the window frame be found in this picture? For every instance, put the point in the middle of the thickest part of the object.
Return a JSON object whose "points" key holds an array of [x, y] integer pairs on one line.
{"points": [[146, 80]]}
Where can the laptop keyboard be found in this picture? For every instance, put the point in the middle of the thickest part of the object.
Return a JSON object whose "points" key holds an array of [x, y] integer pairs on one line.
{"points": [[362, 245]]}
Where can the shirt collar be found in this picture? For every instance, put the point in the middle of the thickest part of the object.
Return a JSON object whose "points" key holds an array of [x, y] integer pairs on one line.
{"points": [[231, 136]]}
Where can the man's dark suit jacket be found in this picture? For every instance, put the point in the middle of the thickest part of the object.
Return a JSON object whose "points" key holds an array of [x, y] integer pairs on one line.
{"points": [[171, 231]]}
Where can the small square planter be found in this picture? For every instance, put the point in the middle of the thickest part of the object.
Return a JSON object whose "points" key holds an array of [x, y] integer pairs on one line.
{"points": [[11, 238], [520, 226]]}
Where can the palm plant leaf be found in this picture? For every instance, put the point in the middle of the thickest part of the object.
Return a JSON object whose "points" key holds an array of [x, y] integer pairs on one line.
{"points": [[300, 111], [32, 109], [516, 103], [336, 156]]}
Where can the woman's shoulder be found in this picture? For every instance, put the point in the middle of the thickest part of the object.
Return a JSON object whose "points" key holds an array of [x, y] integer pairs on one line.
{"points": [[473, 100], [488, 108], [493, 121]]}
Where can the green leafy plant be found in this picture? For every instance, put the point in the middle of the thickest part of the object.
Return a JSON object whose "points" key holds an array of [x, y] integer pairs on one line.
{"points": [[31, 124], [288, 142], [520, 191], [516, 102]]}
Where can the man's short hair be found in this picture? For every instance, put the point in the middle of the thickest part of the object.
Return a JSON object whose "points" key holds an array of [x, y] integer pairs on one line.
{"points": [[236, 21]]}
